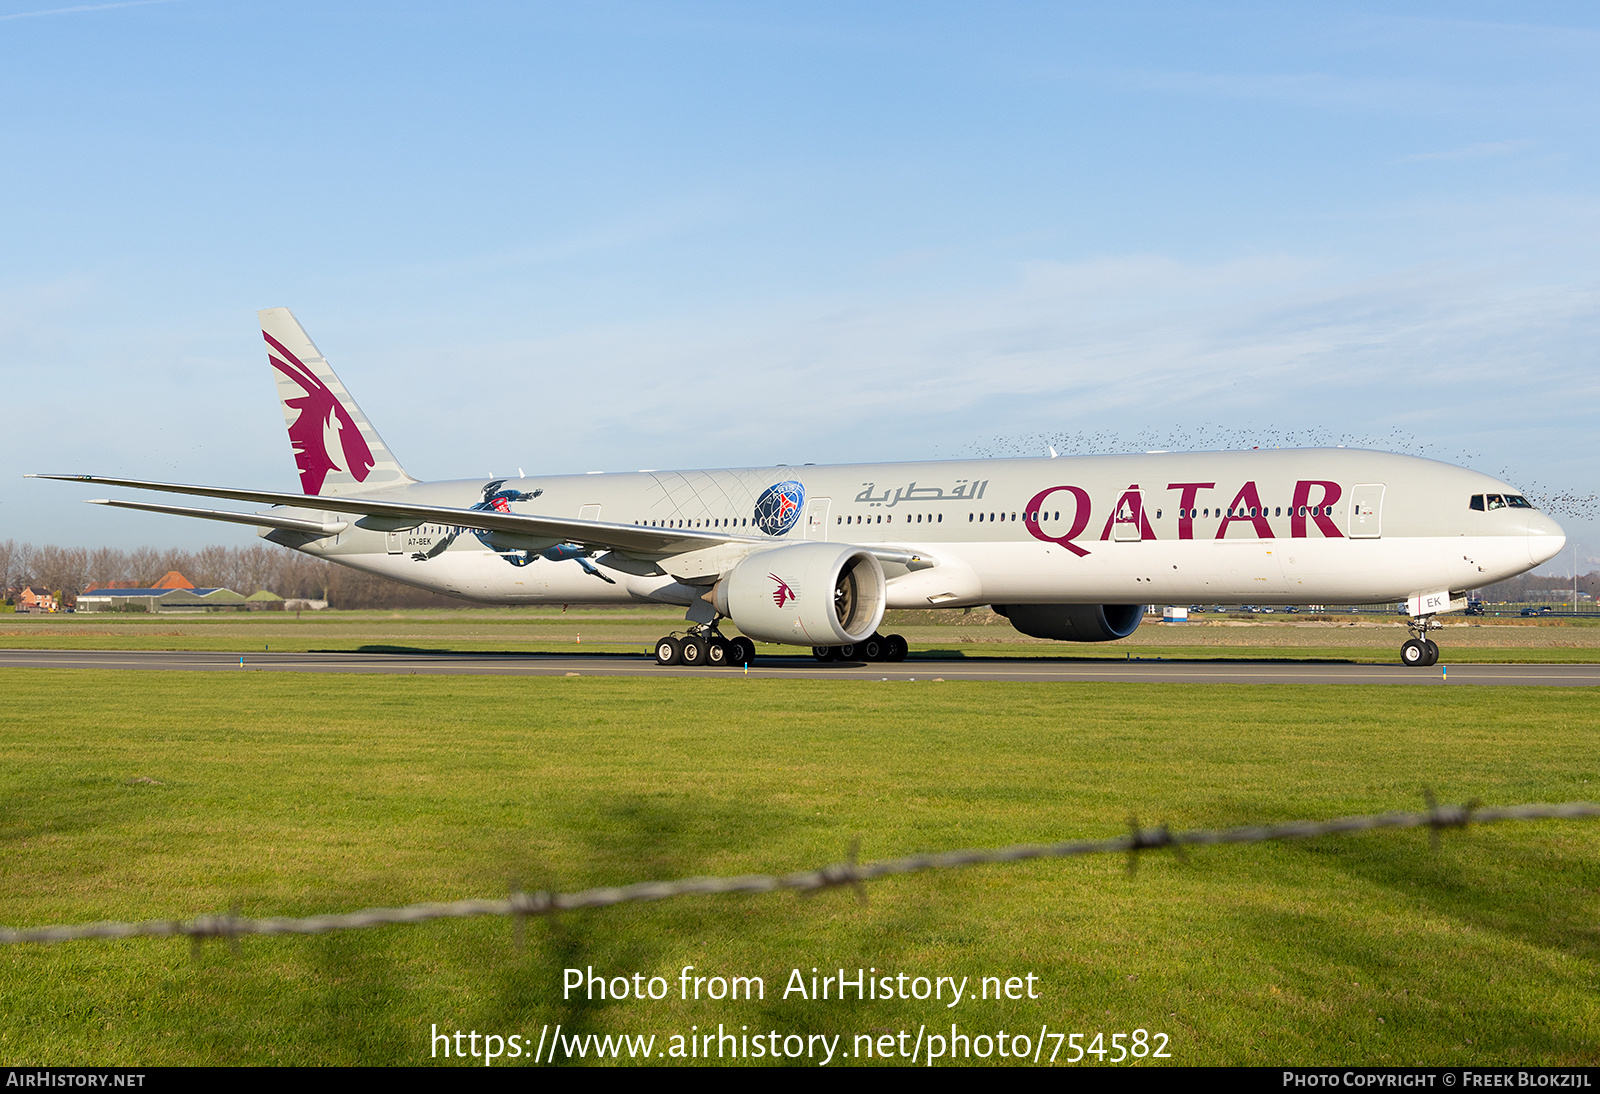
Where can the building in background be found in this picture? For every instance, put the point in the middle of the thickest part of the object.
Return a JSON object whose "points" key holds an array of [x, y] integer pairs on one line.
{"points": [[173, 593], [30, 601]]}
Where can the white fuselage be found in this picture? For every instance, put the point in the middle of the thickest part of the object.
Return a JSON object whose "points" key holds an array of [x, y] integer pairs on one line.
{"points": [[1263, 526]]}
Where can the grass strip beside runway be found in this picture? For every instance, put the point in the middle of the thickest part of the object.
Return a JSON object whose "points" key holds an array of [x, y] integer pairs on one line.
{"points": [[139, 795], [1356, 640]]}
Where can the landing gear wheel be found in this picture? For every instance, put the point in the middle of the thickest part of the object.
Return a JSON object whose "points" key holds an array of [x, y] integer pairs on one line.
{"points": [[895, 648], [668, 651], [1433, 651], [823, 653], [1414, 653], [693, 652], [741, 651], [873, 649], [716, 653], [847, 652]]}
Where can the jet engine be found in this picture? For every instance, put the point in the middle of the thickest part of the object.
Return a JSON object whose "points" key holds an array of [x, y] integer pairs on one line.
{"points": [[806, 594], [1074, 622]]}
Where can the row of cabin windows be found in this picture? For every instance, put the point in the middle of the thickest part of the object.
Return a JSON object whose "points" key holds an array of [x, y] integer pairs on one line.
{"points": [[1479, 502], [1044, 515], [1484, 502], [888, 518], [1241, 511], [1235, 513], [724, 522]]}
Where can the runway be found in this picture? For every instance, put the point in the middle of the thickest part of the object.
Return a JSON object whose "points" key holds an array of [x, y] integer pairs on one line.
{"points": [[1040, 670]]}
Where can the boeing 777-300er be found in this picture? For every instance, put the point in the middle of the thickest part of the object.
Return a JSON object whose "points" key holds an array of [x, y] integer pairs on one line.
{"points": [[1070, 549]]}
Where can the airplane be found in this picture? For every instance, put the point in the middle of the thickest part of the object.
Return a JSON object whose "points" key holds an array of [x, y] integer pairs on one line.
{"points": [[1069, 549]]}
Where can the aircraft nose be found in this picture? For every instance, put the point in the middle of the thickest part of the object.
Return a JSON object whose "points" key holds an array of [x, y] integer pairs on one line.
{"points": [[1545, 538]]}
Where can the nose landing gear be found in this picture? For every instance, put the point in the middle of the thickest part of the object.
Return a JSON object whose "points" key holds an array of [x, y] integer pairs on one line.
{"points": [[1420, 651]]}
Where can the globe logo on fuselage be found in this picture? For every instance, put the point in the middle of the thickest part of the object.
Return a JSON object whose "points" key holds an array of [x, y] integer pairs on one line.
{"points": [[778, 507]]}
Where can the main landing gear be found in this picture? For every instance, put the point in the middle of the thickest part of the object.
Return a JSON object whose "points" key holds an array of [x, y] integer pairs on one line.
{"points": [[877, 648], [1420, 651], [704, 645]]}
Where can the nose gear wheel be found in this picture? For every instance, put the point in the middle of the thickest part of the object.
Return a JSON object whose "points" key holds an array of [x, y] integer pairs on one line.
{"points": [[1420, 651]]}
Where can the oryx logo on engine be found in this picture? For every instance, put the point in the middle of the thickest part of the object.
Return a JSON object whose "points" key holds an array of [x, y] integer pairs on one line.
{"points": [[782, 594]]}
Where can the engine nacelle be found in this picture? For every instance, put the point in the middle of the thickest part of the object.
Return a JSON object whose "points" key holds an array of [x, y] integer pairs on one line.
{"points": [[1074, 622], [806, 594]]}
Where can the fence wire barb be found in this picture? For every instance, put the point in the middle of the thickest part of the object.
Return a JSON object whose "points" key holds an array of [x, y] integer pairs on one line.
{"points": [[519, 904]]}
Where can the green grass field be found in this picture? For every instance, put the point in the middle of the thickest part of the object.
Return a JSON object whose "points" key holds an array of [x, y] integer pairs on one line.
{"points": [[933, 635], [143, 795]]}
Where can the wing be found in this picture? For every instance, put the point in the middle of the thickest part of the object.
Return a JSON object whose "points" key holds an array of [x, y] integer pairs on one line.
{"points": [[385, 514]]}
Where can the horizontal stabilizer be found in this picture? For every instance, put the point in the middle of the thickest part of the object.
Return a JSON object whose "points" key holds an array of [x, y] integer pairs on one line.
{"points": [[258, 520]]}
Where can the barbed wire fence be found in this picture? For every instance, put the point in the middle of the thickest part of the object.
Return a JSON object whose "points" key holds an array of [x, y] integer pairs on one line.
{"points": [[848, 873]]}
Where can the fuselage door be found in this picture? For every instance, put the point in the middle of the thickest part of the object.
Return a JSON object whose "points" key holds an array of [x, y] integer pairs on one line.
{"points": [[1127, 525], [396, 541], [589, 512], [1366, 510], [817, 518]]}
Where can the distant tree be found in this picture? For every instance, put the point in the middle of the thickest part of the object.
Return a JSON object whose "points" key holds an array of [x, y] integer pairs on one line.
{"points": [[290, 574], [63, 569]]}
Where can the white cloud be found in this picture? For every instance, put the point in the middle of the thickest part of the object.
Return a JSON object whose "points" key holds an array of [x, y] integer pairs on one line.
{"points": [[76, 8]]}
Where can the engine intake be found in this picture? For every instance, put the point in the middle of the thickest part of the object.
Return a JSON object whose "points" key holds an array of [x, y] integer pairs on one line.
{"points": [[1074, 622], [806, 594]]}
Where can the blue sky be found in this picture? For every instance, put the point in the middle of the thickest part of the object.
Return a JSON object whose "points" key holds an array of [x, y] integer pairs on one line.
{"points": [[614, 235]]}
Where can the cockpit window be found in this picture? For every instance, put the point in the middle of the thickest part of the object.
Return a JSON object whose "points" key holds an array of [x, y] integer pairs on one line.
{"points": [[1477, 502], [1517, 501], [1496, 501]]}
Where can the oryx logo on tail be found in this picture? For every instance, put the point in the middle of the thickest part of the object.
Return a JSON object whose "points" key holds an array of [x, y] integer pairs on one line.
{"points": [[323, 425], [336, 450]]}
